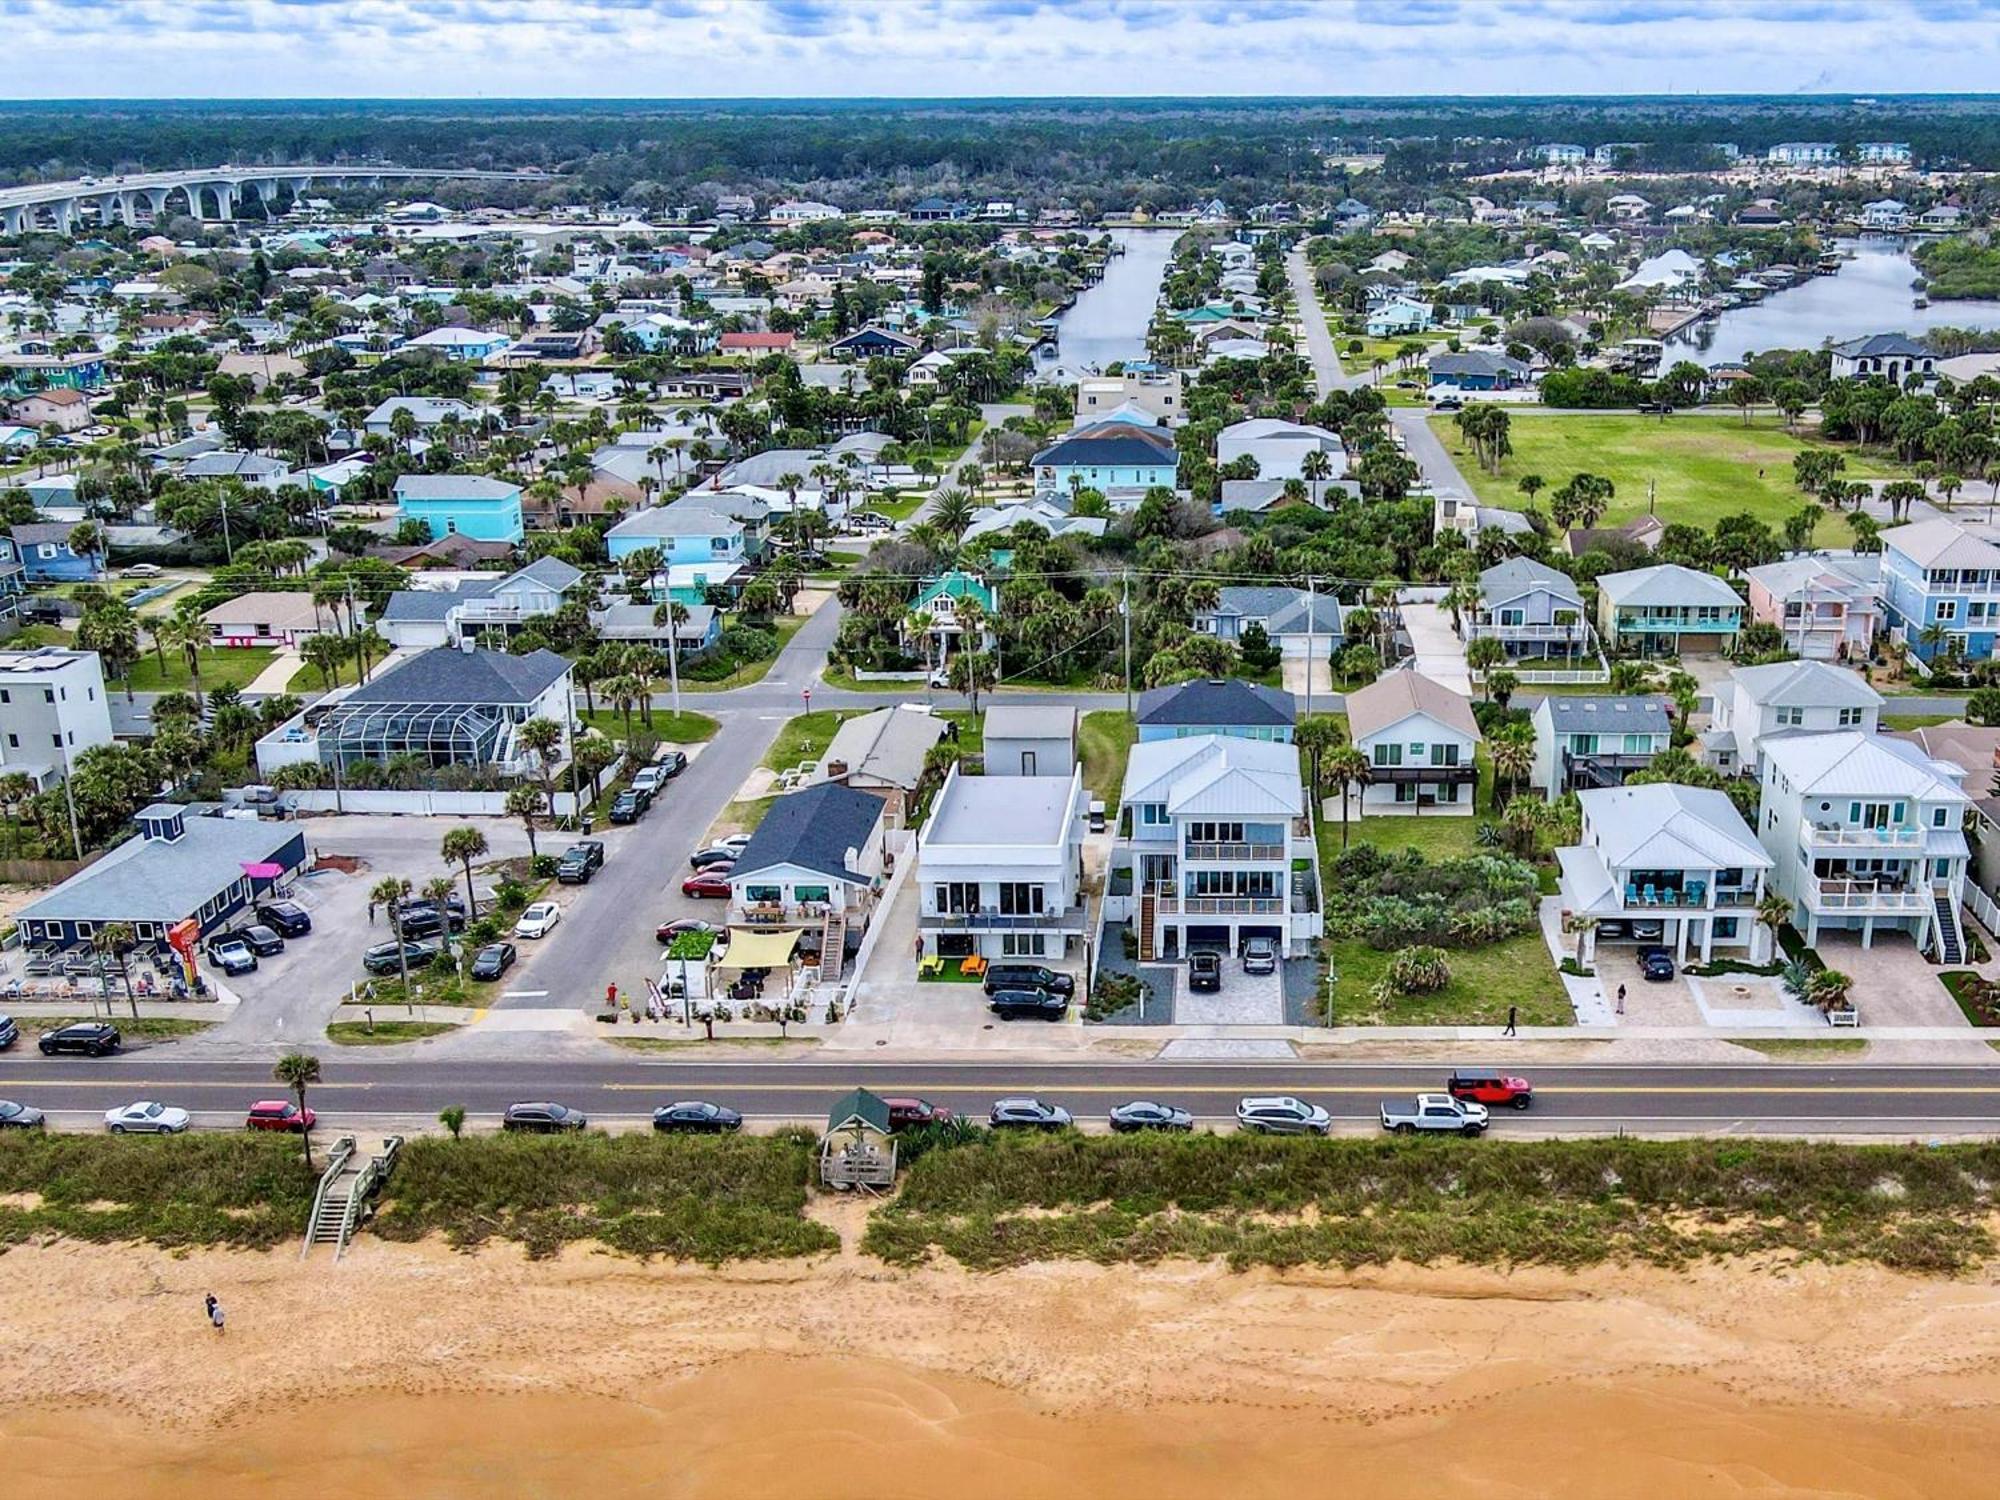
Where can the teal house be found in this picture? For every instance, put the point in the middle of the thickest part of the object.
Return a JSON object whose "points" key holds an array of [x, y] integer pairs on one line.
{"points": [[487, 510]]}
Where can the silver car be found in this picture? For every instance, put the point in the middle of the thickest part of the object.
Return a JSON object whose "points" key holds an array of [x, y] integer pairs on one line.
{"points": [[146, 1117], [1260, 956], [1281, 1115]]}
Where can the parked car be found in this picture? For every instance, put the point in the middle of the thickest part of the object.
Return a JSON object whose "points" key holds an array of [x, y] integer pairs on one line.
{"points": [[538, 920], [1656, 408], [1490, 1086], [288, 917], [280, 1114], [714, 854], [628, 806], [667, 931], [868, 520], [1434, 1112], [260, 940], [647, 779], [1260, 956], [231, 956], [1147, 1114], [1656, 964], [1204, 971], [1028, 977], [20, 1116], [711, 882], [91, 1038], [493, 960], [670, 764], [1610, 929], [141, 570], [593, 850], [422, 919], [389, 958], [907, 1112], [544, 1119], [696, 1117], [146, 1117], [9, 1032], [1028, 1114], [575, 868], [1033, 1005], [1448, 403], [1648, 931], [1280, 1114]]}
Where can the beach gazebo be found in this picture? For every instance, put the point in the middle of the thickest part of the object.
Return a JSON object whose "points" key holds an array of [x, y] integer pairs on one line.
{"points": [[858, 1148]]}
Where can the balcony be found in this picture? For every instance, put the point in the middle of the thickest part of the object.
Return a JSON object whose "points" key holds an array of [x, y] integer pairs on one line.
{"points": [[1171, 902], [1070, 920], [1833, 894], [778, 914], [1846, 836], [1578, 634], [1673, 624], [1431, 775], [1236, 853]]}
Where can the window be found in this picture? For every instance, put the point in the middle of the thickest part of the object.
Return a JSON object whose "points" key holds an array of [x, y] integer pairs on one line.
{"points": [[1943, 869], [807, 894], [1021, 945], [1792, 717], [1938, 815], [1638, 744], [1027, 763], [1947, 609], [1849, 717], [1388, 755], [769, 895], [957, 896], [1444, 755], [1020, 898], [1153, 814], [85, 929]]}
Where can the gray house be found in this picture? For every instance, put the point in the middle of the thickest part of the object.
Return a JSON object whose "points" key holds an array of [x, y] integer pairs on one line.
{"points": [[1030, 740], [1596, 741], [1534, 611], [1298, 623]]}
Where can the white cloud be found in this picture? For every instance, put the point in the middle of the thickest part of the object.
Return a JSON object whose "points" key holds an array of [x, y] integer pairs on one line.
{"points": [[942, 48]]}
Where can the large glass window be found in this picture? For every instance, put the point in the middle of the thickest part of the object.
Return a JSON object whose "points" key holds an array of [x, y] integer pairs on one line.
{"points": [[808, 894]]}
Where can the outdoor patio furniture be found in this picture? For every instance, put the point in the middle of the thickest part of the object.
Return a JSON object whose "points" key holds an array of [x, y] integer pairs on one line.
{"points": [[1652, 896], [930, 967], [1631, 893], [974, 965]]}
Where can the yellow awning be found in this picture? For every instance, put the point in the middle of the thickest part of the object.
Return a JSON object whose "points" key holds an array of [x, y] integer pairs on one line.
{"points": [[750, 948]]}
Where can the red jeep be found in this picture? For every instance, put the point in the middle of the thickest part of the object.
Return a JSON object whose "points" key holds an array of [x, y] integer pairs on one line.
{"points": [[1491, 1087]]}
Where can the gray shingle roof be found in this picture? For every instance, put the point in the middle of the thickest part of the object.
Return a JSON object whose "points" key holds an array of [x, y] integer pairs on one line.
{"points": [[1881, 343], [1282, 611], [445, 675], [550, 573], [1605, 714], [1216, 703], [431, 604], [1519, 575], [812, 829]]}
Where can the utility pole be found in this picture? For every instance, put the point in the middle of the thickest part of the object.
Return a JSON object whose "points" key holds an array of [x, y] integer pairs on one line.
{"points": [[1124, 609], [673, 651], [1312, 609], [228, 551]]}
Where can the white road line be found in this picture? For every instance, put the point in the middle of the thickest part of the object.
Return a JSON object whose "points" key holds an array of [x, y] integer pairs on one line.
{"points": [[524, 995]]}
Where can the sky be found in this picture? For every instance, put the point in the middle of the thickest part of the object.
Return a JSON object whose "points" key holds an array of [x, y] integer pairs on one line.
{"points": [[945, 48]]}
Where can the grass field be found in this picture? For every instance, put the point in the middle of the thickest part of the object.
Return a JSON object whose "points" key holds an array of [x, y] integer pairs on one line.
{"points": [[141, 1028], [684, 728], [227, 666], [1104, 740], [1705, 466], [383, 1033]]}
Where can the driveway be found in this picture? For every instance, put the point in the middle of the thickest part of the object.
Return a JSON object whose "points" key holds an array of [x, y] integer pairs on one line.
{"points": [[1243, 1000], [1428, 454], [1440, 654]]}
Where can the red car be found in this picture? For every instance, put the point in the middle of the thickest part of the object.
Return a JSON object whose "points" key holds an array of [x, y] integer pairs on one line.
{"points": [[1490, 1086], [279, 1114], [710, 882], [667, 931], [909, 1112]]}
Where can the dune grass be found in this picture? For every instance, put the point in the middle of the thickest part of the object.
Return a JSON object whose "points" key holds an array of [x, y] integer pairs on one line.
{"points": [[249, 1190]]}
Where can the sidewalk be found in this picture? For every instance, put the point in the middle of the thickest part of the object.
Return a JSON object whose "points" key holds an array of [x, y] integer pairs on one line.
{"points": [[277, 677]]}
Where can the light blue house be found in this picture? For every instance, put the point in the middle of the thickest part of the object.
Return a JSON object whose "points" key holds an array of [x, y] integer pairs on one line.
{"points": [[1936, 573], [1398, 316], [684, 533], [1667, 610], [487, 510], [1108, 456], [1228, 707], [45, 555]]}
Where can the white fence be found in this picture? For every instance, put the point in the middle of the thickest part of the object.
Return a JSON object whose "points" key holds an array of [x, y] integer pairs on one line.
{"points": [[1983, 907], [426, 804]]}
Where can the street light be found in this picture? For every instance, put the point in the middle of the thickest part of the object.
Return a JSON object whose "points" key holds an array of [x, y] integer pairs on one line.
{"points": [[1332, 982]]}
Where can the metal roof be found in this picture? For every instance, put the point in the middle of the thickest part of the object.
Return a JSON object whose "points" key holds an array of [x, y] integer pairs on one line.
{"points": [[1667, 584], [1808, 684], [1664, 826], [1855, 763]]}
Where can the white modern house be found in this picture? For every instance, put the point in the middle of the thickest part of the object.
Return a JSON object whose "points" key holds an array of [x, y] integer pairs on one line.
{"points": [[1664, 864], [502, 604], [1000, 866], [1420, 739], [1279, 448], [52, 709], [1595, 740], [1866, 832], [1220, 845], [1780, 698]]}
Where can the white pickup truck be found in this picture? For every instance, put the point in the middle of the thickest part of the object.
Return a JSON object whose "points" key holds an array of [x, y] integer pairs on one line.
{"points": [[1434, 1112]]}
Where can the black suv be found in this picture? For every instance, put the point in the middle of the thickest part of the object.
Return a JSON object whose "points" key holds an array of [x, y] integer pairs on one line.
{"points": [[1028, 977], [575, 868], [1038, 1005], [287, 917], [260, 940], [1204, 971], [629, 806], [9, 1032], [91, 1038], [383, 957], [422, 919]]}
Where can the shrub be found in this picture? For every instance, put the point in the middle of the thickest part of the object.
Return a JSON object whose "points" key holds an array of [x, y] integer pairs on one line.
{"points": [[1419, 971], [543, 866], [511, 894], [1113, 992], [746, 643]]}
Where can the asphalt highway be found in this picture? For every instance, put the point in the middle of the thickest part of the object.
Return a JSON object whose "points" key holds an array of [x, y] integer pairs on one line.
{"points": [[1737, 1099]]}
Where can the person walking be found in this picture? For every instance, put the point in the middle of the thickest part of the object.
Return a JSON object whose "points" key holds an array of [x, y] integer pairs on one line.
{"points": [[371, 913], [1621, 999], [1513, 1013], [214, 1313]]}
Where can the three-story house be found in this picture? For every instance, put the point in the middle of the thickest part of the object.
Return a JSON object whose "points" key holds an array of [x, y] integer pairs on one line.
{"points": [[1941, 590]]}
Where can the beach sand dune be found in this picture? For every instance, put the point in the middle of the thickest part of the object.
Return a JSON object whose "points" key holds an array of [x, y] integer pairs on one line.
{"points": [[415, 1371]]}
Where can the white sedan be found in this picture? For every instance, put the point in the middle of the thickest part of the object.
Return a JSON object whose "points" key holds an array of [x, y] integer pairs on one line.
{"points": [[148, 1115], [537, 920]]}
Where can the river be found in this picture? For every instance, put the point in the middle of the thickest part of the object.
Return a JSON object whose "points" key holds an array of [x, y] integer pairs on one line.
{"points": [[1109, 320], [1870, 294]]}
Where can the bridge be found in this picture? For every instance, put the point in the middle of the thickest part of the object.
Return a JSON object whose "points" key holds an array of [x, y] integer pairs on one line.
{"points": [[62, 205]]}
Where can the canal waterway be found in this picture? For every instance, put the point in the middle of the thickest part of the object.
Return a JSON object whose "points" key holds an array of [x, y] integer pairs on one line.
{"points": [[1109, 321]]}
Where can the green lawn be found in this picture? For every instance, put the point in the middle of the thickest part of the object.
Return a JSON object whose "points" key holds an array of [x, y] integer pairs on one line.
{"points": [[806, 737], [221, 666], [784, 626], [148, 1028], [1434, 835], [28, 637], [1915, 721], [1105, 739], [1485, 981], [684, 728], [1705, 465], [384, 1033]]}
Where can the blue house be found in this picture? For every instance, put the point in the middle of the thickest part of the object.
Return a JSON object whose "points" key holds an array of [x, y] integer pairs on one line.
{"points": [[866, 343], [1225, 706], [1107, 456], [487, 510], [46, 556], [1477, 370], [1935, 573], [684, 533], [13, 577]]}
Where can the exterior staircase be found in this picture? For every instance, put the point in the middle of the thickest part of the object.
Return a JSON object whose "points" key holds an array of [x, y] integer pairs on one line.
{"points": [[1951, 950], [833, 946], [346, 1189], [1148, 917]]}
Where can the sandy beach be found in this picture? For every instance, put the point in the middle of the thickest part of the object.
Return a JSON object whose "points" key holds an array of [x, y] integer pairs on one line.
{"points": [[420, 1371]]}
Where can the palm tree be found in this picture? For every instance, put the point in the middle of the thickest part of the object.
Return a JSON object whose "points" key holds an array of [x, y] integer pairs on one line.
{"points": [[388, 893], [527, 803], [1513, 758], [1316, 735], [1774, 911], [461, 847], [951, 512], [543, 739], [1318, 468], [437, 891], [185, 632], [298, 1071], [1345, 768]]}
